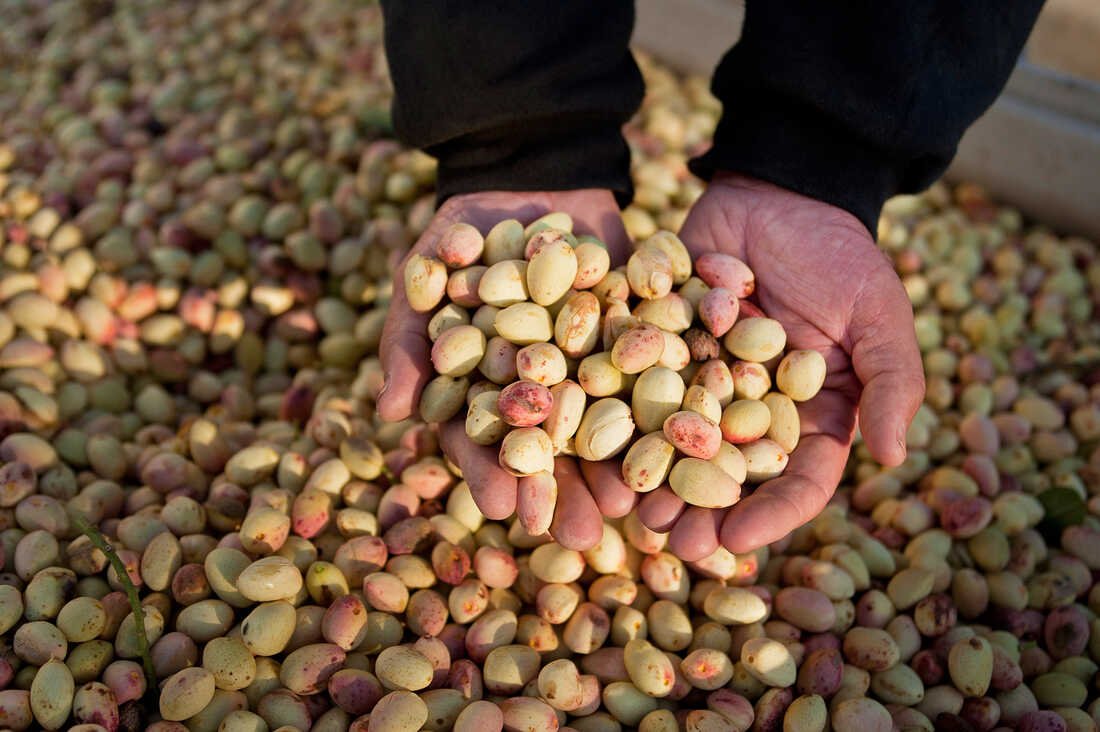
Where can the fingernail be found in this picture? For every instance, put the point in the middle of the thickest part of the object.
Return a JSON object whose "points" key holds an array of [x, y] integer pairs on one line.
{"points": [[385, 385]]}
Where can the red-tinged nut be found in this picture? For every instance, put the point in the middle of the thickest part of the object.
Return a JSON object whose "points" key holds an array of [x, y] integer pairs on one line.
{"points": [[1041, 721], [460, 246], [528, 713], [981, 713], [664, 574], [772, 705], [806, 608], [468, 600], [1066, 632], [189, 584], [718, 310], [556, 602], [871, 649], [821, 672], [297, 404], [426, 613], [819, 641], [465, 678], [398, 503], [495, 567], [493, 629], [543, 363], [734, 707], [723, 270], [462, 286], [1083, 542], [693, 434], [1034, 661], [408, 536], [385, 592], [438, 654], [140, 302], [198, 310], [359, 556], [525, 403], [355, 691], [451, 563], [637, 349], [715, 377], [428, 477], [590, 696], [963, 518], [345, 622], [587, 629], [928, 667], [126, 680], [750, 380]]}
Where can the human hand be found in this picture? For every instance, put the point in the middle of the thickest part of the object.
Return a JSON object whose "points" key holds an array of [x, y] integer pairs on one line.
{"points": [[405, 351], [820, 274]]}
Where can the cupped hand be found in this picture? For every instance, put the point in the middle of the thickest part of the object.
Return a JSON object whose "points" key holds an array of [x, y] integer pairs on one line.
{"points": [[406, 361], [820, 274]]}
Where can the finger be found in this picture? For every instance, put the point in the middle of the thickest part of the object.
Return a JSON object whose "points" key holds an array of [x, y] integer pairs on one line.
{"points": [[702, 233], [536, 498], [660, 509], [493, 489], [577, 523], [605, 482], [405, 352], [695, 534], [886, 358], [780, 506]]}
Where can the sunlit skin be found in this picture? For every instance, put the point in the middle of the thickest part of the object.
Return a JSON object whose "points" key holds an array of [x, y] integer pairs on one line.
{"points": [[405, 351], [818, 272]]}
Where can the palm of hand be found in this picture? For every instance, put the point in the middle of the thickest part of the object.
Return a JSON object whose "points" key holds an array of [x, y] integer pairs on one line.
{"points": [[820, 274], [585, 492]]}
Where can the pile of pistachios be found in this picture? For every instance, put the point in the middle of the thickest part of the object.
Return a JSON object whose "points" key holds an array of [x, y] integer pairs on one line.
{"points": [[204, 525]]}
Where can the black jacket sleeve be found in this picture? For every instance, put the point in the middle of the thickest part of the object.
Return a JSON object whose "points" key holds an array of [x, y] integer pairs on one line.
{"points": [[512, 95], [851, 102]]}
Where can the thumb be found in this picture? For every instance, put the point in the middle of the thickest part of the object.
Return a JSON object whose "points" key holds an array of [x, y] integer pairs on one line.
{"points": [[717, 222], [887, 361], [405, 352]]}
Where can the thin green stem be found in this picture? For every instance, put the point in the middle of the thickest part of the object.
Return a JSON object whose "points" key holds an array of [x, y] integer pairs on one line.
{"points": [[101, 543]]}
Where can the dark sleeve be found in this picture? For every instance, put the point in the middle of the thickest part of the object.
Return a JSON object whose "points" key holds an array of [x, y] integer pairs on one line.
{"points": [[852, 102], [514, 95]]}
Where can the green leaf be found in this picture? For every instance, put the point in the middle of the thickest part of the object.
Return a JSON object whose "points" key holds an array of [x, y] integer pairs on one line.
{"points": [[1062, 507]]}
